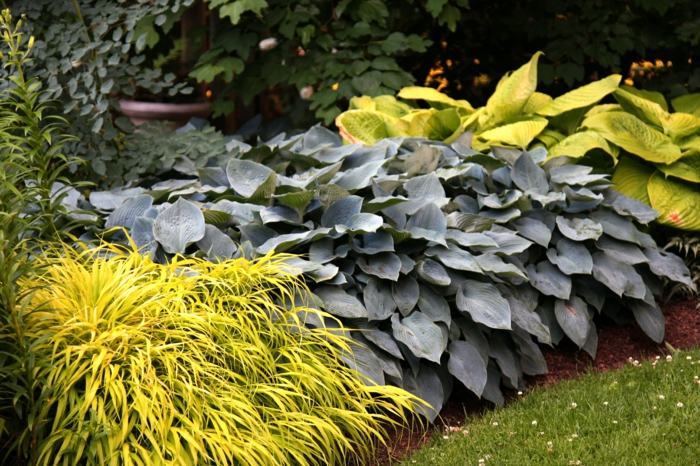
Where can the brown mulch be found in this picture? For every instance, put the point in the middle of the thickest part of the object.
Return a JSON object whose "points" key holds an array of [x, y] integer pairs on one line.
{"points": [[616, 344]]}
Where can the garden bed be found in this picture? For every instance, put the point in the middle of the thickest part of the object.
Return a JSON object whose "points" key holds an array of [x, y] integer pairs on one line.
{"points": [[616, 345]]}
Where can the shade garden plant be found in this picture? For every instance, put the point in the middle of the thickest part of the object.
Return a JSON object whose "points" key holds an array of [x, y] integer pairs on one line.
{"points": [[441, 261]]}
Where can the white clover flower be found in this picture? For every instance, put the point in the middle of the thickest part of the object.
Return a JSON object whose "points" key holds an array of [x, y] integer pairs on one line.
{"points": [[605, 403], [661, 397], [573, 405], [534, 423], [679, 404], [669, 358]]}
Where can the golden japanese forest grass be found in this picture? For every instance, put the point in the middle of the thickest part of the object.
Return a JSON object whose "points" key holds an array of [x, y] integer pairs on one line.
{"points": [[191, 363]]}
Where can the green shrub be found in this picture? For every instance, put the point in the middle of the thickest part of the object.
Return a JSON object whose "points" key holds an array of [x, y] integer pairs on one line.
{"points": [[639, 127], [190, 363], [443, 260], [687, 246]]}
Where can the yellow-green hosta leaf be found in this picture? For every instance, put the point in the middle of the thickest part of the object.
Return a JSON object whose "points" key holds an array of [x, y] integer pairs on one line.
{"points": [[536, 102], [443, 125], [519, 134], [690, 144], [644, 109], [513, 92], [578, 144], [389, 105], [680, 125], [582, 97], [369, 127], [550, 137], [432, 96], [686, 168], [689, 103], [649, 95], [363, 102], [631, 178], [635, 136], [678, 203]]}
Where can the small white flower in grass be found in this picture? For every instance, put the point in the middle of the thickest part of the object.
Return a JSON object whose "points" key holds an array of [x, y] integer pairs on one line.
{"points": [[520, 393], [661, 397], [688, 358], [445, 437], [541, 433], [534, 423], [653, 408], [487, 456], [669, 358], [657, 357], [614, 422], [573, 405], [679, 404], [482, 461], [605, 403], [494, 423]]}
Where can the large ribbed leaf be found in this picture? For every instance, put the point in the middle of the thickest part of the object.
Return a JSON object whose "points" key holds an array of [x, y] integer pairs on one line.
{"points": [[686, 168], [621, 228], [635, 136], [428, 223], [386, 265], [368, 127], [251, 179], [529, 176], [549, 280], [178, 226], [519, 134], [432, 96], [432, 272], [619, 277], [534, 230], [126, 214], [406, 293], [467, 365], [579, 144], [571, 257], [582, 96], [650, 319], [678, 203], [341, 211], [339, 303], [644, 109], [668, 266], [680, 125], [688, 103], [631, 178], [574, 319], [484, 303], [579, 229], [421, 336], [379, 303], [454, 258], [513, 92], [621, 251], [434, 305], [536, 102], [216, 245]]}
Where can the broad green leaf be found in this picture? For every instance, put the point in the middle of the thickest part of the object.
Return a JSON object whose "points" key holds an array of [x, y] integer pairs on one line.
{"points": [[536, 102], [406, 293], [571, 257], [631, 178], [579, 229], [519, 134], [529, 176], [467, 365], [620, 278], [441, 125], [582, 96], [421, 336], [432, 96], [620, 227], [513, 92], [428, 223], [687, 168], [251, 179], [379, 303], [667, 265], [644, 109], [629, 207], [434, 305], [688, 103], [574, 319], [654, 96], [484, 303], [386, 265], [579, 144], [501, 352], [432, 272], [369, 127], [364, 360], [678, 203], [635, 136], [548, 280], [680, 125], [523, 301], [178, 226], [341, 211], [621, 251], [126, 214], [533, 230], [235, 9], [339, 303], [650, 319], [454, 258], [216, 245]]}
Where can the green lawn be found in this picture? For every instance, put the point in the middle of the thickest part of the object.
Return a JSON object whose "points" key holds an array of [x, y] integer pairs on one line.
{"points": [[644, 414]]}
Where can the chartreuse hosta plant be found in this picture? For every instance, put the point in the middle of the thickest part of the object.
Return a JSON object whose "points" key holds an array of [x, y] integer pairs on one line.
{"points": [[446, 263], [658, 151], [191, 363]]}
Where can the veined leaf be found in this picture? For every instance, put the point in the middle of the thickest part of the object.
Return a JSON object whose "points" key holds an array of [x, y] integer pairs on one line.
{"points": [[579, 144], [582, 96], [484, 303], [689, 103], [686, 168], [574, 319], [679, 125], [519, 134], [678, 203], [423, 338], [432, 96], [178, 226], [644, 109], [513, 92], [631, 178], [536, 102], [369, 127], [467, 365], [635, 136]]}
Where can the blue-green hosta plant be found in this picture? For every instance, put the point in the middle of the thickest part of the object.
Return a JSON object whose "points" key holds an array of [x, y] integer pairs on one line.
{"points": [[447, 263], [658, 150]]}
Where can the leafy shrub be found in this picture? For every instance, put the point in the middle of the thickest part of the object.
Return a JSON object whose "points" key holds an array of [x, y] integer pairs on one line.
{"points": [[192, 362], [444, 260], [638, 127], [687, 246], [32, 197]]}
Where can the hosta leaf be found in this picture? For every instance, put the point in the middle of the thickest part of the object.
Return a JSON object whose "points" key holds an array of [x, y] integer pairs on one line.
{"points": [[489, 262], [178, 226], [427, 386], [368, 127], [251, 179], [110, 200], [500, 351], [574, 175], [406, 293], [378, 300], [467, 365], [492, 390], [644, 109], [678, 203], [384, 341], [142, 234], [668, 265], [548, 280], [536, 102], [631, 178], [434, 305], [620, 278], [571, 257], [469, 239], [532, 360], [680, 125], [621, 228], [650, 319], [508, 243], [519, 134], [341, 211], [579, 229], [629, 207], [484, 303], [428, 223], [688, 103], [361, 223], [523, 302], [297, 200], [534, 230], [574, 319], [454, 258], [281, 243], [432, 272], [501, 200], [686, 168], [621, 251], [385, 265], [513, 92], [216, 244], [469, 222], [635, 136], [432, 96], [421, 336], [529, 176], [424, 160], [373, 243], [579, 144], [358, 178], [582, 96], [126, 214], [339, 303]]}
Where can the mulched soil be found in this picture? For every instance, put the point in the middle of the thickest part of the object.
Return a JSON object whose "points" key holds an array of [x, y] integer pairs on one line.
{"points": [[616, 344]]}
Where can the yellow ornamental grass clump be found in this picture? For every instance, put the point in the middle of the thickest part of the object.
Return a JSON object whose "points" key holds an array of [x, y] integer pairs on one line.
{"points": [[191, 363]]}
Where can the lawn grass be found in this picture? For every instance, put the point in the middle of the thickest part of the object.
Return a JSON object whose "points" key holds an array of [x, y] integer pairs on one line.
{"points": [[643, 414]]}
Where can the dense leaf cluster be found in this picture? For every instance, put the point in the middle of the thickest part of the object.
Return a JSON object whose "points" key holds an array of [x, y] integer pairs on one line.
{"points": [[446, 261]]}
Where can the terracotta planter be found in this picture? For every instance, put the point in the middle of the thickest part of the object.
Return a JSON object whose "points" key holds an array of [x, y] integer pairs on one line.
{"points": [[140, 112]]}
